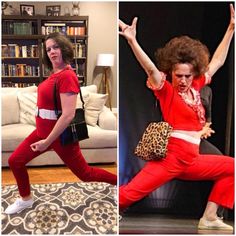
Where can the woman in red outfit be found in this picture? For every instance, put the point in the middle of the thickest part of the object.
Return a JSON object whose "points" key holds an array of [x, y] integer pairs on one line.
{"points": [[58, 53], [186, 62]]}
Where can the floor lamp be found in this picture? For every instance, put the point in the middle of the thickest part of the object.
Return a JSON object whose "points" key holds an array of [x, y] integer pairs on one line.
{"points": [[105, 61]]}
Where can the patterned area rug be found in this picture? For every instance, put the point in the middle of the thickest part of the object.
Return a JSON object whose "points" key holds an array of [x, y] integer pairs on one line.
{"points": [[63, 208]]}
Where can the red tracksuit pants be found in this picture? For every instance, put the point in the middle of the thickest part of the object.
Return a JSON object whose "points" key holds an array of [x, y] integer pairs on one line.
{"points": [[70, 154], [183, 161]]}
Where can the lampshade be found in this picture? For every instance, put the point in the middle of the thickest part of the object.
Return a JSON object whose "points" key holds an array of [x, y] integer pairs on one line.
{"points": [[105, 59]]}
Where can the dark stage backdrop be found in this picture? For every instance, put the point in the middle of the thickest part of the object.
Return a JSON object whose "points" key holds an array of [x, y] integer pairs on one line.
{"points": [[158, 22]]}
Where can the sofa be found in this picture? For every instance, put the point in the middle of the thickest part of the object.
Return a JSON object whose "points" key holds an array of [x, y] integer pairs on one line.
{"points": [[18, 121]]}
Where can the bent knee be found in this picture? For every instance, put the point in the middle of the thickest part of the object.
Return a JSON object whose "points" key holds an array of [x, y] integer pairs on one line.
{"points": [[230, 166], [11, 160], [14, 161]]}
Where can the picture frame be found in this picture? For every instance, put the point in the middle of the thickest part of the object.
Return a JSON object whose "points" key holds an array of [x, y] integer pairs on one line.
{"points": [[53, 10], [27, 10]]}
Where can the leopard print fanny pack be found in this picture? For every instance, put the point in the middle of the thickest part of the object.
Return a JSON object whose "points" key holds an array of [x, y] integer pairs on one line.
{"points": [[153, 144]]}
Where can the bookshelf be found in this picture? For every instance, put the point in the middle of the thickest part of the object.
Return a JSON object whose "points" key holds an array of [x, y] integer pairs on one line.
{"points": [[22, 39]]}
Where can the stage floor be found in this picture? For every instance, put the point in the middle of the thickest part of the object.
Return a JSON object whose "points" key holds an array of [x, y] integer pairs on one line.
{"points": [[159, 224]]}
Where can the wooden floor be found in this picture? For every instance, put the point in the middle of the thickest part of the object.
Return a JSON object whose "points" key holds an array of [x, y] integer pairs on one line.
{"points": [[54, 174], [161, 224]]}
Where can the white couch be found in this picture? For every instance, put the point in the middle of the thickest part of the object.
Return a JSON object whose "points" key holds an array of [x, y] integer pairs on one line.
{"points": [[18, 108]]}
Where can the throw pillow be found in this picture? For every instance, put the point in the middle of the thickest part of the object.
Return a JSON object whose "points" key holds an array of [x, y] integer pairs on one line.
{"points": [[94, 107], [10, 108], [85, 95], [90, 88], [27, 107]]}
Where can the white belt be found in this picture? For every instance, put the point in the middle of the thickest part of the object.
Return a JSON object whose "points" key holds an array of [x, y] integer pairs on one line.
{"points": [[186, 137], [46, 114]]}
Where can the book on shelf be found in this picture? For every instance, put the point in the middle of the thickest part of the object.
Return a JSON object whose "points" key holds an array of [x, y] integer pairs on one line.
{"points": [[73, 30], [48, 28], [20, 70], [17, 85], [79, 50], [34, 52], [19, 28], [46, 71], [7, 27], [81, 69], [30, 50], [15, 50], [4, 50]]}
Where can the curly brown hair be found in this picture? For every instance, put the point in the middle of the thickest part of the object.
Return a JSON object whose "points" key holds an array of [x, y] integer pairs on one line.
{"points": [[65, 45], [183, 49]]}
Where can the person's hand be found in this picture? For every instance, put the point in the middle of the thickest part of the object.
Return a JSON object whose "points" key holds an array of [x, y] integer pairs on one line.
{"points": [[128, 31], [207, 130], [39, 146], [232, 17]]}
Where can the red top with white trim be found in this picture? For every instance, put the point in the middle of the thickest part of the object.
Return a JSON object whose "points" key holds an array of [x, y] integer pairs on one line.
{"points": [[67, 82], [175, 110]]}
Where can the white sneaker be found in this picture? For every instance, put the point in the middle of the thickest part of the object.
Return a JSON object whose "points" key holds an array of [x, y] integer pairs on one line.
{"points": [[18, 206], [213, 224]]}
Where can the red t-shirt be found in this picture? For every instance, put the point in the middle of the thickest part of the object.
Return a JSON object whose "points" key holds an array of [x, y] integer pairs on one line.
{"points": [[175, 111], [67, 82]]}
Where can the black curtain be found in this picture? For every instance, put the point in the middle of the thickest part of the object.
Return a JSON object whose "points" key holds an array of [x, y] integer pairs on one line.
{"points": [[158, 22]]}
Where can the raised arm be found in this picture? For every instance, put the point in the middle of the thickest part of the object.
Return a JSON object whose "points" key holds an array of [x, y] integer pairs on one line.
{"points": [[129, 32], [221, 52]]}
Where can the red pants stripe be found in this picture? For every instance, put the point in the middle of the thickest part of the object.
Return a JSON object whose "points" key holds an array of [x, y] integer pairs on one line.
{"points": [[183, 161], [70, 154]]}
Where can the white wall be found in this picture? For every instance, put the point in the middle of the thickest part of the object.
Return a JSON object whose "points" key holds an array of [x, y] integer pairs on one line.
{"points": [[102, 35]]}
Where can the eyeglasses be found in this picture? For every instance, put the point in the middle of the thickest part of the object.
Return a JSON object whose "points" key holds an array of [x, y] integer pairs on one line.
{"points": [[54, 47]]}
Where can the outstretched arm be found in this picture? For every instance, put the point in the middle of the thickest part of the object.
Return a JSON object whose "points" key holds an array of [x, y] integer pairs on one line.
{"points": [[221, 52], [129, 32]]}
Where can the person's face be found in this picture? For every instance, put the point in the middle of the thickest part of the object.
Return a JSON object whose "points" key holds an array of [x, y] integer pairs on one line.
{"points": [[54, 53], [182, 76]]}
